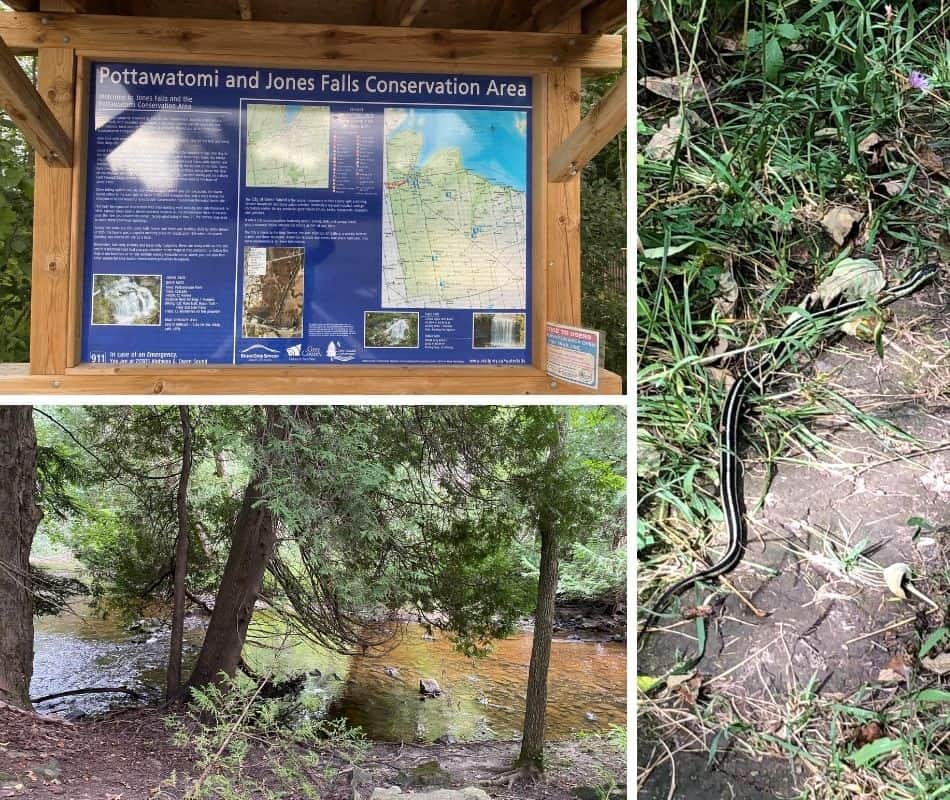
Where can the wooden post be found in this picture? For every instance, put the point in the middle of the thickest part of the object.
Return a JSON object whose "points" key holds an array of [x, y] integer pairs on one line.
{"points": [[52, 216], [563, 107], [602, 123], [30, 113]]}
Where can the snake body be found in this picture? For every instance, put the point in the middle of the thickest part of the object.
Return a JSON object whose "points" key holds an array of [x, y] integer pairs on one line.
{"points": [[730, 489]]}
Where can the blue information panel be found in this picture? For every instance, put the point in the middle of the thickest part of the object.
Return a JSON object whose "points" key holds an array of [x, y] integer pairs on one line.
{"points": [[241, 216]]}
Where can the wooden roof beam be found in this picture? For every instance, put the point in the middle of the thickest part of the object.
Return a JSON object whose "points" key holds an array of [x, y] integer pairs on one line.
{"points": [[245, 10], [407, 12], [19, 98], [333, 44], [397, 13], [602, 123], [553, 14], [604, 17]]}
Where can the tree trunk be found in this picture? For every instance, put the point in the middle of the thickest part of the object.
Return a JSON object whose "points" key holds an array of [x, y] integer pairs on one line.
{"points": [[255, 534], [536, 694], [19, 516], [173, 681]]}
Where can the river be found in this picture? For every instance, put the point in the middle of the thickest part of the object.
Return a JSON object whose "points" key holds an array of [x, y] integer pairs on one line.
{"points": [[482, 698]]}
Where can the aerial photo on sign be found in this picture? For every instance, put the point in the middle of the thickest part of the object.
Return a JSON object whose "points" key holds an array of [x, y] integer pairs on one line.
{"points": [[238, 215]]}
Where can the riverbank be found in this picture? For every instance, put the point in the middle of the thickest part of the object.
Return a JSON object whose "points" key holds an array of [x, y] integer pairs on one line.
{"points": [[129, 755]]}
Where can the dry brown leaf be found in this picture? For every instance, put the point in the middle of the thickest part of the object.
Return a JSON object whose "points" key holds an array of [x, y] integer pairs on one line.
{"points": [[675, 681], [895, 670], [930, 161], [675, 87], [893, 188], [727, 44], [939, 665], [867, 733], [840, 221], [689, 689], [662, 146], [869, 142]]}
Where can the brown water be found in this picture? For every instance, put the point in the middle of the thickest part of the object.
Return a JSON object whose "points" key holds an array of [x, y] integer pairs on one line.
{"points": [[482, 699]]}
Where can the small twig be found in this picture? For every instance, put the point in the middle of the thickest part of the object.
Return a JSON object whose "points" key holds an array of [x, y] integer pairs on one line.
{"points": [[900, 623], [745, 600]]}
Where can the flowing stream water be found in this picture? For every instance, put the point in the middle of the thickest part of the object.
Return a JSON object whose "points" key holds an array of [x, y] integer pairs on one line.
{"points": [[482, 699]]}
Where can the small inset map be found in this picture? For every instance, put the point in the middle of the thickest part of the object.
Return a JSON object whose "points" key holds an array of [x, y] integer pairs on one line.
{"points": [[454, 208], [288, 146]]}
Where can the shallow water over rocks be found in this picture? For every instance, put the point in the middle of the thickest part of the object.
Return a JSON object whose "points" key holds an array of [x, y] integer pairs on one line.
{"points": [[481, 699]]}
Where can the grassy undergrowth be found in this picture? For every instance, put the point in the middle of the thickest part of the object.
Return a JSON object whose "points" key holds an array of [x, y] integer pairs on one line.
{"points": [[774, 140]]}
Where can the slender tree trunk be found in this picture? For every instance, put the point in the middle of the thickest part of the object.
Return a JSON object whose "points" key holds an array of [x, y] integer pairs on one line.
{"points": [[173, 682], [255, 534], [536, 694], [252, 545], [19, 516]]}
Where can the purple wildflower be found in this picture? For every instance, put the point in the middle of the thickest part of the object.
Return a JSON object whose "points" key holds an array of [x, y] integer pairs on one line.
{"points": [[917, 80]]}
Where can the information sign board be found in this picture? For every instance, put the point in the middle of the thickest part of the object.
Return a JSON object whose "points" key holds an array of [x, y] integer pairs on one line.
{"points": [[573, 354], [241, 215]]}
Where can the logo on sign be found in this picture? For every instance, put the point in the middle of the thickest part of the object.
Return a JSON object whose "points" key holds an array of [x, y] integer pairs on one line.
{"points": [[336, 352]]}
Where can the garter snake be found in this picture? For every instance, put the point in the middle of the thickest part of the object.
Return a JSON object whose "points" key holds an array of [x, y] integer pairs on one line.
{"points": [[730, 490]]}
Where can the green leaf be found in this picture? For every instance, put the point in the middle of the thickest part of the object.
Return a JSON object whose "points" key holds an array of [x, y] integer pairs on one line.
{"points": [[647, 682], [657, 253], [875, 750], [933, 696], [787, 31], [932, 641], [774, 59], [920, 522]]}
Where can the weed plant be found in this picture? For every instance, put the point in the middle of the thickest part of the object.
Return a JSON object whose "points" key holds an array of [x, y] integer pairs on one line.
{"points": [[250, 746]]}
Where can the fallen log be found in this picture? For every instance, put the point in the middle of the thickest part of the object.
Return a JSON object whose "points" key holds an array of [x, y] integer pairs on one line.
{"points": [[92, 690]]}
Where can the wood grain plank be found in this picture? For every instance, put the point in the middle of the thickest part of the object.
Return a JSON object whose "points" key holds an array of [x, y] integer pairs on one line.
{"points": [[30, 113], [125, 36], [326, 381], [52, 217], [78, 223], [602, 123], [563, 199]]}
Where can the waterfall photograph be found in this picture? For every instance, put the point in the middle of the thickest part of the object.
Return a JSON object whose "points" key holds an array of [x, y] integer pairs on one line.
{"points": [[498, 330], [127, 299]]}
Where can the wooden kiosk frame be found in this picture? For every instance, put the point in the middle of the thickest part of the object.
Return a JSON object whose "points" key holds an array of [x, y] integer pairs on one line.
{"points": [[53, 118]]}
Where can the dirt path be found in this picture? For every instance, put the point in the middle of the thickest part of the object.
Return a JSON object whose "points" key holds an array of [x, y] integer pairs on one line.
{"points": [[819, 534], [129, 756]]}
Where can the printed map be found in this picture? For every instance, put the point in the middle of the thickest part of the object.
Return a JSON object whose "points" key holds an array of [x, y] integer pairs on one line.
{"points": [[288, 146], [454, 209]]}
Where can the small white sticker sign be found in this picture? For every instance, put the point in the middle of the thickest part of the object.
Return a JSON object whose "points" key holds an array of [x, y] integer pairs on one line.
{"points": [[256, 258], [573, 354]]}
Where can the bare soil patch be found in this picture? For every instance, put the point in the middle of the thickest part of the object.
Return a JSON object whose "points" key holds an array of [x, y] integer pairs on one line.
{"points": [[819, 533]]}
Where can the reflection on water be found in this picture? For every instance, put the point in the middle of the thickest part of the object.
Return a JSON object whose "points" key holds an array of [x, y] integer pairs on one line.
{"points": [[482, 699]]}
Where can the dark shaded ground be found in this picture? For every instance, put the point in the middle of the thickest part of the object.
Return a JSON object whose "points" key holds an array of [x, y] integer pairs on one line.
{"points": [[128, 756], [828, 618]]}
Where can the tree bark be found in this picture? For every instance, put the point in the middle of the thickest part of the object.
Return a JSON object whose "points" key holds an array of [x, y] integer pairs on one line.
{"points": [[536, 694], [252, 545], [173, 679], [19, 516], [255, 534]]}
